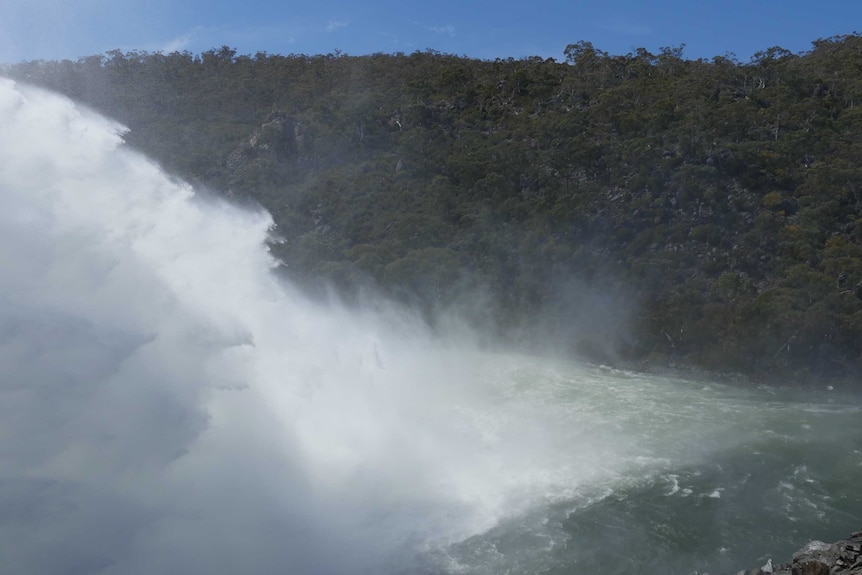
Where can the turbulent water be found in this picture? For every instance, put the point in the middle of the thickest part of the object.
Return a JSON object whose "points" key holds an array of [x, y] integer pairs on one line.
{"points": [[168, 406]]}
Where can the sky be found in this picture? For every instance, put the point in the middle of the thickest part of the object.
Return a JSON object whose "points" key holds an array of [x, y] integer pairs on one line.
{"points": [[66, 29]]}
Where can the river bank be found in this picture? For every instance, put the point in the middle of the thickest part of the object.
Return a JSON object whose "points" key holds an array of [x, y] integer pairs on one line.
{"points": [[843, 557]]}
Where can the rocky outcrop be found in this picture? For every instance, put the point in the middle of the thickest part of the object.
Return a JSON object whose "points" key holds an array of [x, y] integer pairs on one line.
{"points": [[265, 154], [818, 558]]}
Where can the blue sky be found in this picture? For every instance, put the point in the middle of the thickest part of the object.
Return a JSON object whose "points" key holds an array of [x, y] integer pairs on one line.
{"points": [[57, 29]]}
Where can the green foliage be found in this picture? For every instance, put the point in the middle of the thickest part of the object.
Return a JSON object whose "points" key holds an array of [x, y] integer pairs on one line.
{"points": [[726, 195]]}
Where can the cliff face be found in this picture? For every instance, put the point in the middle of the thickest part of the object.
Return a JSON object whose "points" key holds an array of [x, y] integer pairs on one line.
{"points": [[818, 558]]}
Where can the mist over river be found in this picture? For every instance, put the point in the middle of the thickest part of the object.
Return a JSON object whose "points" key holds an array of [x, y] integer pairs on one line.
{"points": [[168, 405]]}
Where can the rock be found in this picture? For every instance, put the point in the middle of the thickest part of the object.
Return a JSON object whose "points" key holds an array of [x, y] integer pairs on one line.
{"points": [[818, 558], [810, 567], [812, 547]]}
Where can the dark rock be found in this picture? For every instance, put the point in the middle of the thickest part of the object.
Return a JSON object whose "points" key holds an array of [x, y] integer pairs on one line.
{"points": [[818, 558], [810, 567]]}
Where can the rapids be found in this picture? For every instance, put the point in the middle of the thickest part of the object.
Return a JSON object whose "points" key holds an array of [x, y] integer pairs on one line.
{"points": [[168, 405]]}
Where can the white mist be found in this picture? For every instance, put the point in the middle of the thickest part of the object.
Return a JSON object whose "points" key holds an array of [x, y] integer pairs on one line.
{"points": [[167, 406]]}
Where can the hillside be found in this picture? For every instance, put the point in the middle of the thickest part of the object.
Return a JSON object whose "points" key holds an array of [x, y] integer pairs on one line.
{"points": [[643, 208]]}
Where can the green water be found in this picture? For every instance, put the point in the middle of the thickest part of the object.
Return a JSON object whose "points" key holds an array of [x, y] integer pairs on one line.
{"points": [[168, 406], [701, 477]]}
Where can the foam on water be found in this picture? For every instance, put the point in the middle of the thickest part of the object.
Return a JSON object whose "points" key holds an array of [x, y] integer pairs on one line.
{"points": [[168, 406], [169, 390]]}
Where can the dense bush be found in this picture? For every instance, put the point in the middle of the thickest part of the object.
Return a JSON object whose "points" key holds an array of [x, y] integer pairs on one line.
{"points": [[720, 201]]}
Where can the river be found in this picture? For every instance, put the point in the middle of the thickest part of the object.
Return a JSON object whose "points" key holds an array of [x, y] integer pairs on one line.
{"points": [[169, 405]]}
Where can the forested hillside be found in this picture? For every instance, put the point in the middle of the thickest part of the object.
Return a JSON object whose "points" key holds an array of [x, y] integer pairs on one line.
{"points": [[644, 207]]}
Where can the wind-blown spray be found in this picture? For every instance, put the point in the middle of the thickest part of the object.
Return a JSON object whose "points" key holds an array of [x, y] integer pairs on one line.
{"points": [[169, 406]]}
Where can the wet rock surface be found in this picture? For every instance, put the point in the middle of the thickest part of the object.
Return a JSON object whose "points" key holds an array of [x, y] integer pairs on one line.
{"points": [[818, 558]]}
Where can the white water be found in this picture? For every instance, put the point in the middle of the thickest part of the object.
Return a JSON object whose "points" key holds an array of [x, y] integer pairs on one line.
{"points": [[167, 406]]}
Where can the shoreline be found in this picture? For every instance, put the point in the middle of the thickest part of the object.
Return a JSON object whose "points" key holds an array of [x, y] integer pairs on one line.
{"points": [[843, 557]]}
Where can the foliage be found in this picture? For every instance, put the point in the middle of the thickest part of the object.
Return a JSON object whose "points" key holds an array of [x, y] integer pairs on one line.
{"points": [[722, 200]]}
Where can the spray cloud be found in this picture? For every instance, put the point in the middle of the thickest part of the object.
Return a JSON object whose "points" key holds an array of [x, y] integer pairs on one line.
{"points": [[169, 406]]}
